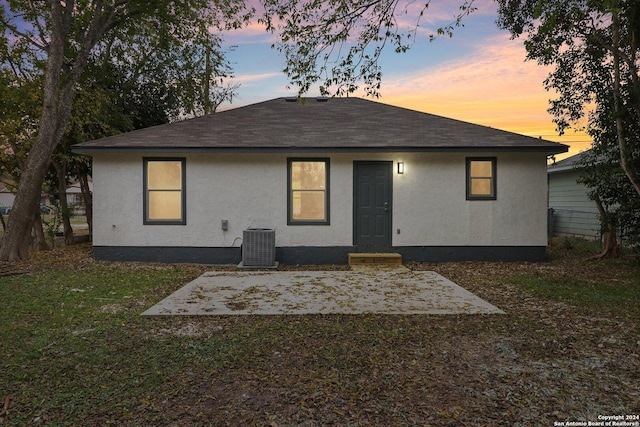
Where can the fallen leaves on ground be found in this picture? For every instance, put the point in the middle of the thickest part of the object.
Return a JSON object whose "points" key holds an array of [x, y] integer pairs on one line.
{"points": [[548, 359]]}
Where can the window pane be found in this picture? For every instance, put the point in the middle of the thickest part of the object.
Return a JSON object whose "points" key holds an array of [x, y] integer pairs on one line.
{"points": [[165, 205], [164, 175], [308, 206], [481, 187], [481, 168], [308, 175]]}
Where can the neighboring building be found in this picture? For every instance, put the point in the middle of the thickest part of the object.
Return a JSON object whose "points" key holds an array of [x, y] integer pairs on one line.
{"points": [[75, 198], [6, 199], [574, 213], [331, 176]]}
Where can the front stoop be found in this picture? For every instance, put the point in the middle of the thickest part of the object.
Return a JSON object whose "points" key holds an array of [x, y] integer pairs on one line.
{"points": [[377, 259]]}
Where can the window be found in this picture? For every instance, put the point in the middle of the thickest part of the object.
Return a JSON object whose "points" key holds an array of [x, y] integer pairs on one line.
{"points": [[308, 191], [164, 191], [481, 178]]}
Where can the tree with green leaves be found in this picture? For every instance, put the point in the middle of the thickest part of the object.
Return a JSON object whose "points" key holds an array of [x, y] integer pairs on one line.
{"points": [[119, 96], [617, 202], [337, 44], [56, 40], [595, 49]]}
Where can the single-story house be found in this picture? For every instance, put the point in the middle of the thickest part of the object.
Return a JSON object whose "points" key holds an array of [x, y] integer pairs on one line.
{"points": [[330, 176], [574, 213], [75, 198]]}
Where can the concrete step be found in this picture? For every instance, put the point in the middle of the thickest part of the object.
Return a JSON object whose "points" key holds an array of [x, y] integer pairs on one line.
{"points": [[375, 259]]}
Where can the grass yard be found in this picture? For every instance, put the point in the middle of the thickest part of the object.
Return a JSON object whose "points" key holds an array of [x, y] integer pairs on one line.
{"points": [[75, 351]]}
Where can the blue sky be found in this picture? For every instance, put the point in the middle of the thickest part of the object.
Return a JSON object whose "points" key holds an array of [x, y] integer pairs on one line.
{"points": [[480, 75]]}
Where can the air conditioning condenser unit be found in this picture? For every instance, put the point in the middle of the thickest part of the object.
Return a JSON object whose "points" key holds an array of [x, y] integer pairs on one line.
{"points": [[259, 247]]}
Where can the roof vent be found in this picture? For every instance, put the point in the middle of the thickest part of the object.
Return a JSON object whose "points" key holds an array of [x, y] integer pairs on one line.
{"points": [[322, 98], [291, 99]]}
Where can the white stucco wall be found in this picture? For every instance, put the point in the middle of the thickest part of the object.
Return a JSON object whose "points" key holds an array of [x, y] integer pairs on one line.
{"points": [[6, 199], [250, 190]]}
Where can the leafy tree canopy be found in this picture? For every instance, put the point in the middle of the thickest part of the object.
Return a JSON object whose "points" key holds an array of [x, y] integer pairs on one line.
{"points": [[337, 44], [594, 47], [57, 41], [602, 174], [578, 38]]}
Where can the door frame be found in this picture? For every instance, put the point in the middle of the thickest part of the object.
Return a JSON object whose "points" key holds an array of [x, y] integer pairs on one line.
{"points": [[389, 165]]}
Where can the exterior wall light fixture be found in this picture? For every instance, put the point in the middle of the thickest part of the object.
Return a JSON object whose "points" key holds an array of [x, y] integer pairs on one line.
{"points": [[400, 168]]}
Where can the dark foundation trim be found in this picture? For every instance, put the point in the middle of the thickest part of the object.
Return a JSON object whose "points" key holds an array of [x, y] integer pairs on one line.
{"points": [[168, 254], [472, 253], [319, 255]]}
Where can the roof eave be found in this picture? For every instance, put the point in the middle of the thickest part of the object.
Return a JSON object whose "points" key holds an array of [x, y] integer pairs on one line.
{"points": [[554, 170], [173, 150]]}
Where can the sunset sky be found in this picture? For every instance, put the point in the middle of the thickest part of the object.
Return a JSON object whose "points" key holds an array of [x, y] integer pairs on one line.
{"points": [[480, 75]]}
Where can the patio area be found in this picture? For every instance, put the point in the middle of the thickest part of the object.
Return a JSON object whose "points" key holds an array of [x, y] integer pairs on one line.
{"points": [[365, 290]]}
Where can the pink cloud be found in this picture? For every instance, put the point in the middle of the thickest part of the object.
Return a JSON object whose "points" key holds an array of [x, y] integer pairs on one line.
{"points": [[251, 78], [253, 32]]}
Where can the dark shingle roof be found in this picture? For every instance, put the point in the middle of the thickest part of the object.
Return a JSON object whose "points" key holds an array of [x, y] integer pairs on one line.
{"points": [[334, 124], [567, 164]]}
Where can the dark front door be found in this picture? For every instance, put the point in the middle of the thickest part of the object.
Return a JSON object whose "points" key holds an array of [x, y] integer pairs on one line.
{"points": [[372, 205]]}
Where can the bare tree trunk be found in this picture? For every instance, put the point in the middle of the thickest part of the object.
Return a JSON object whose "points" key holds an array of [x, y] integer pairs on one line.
{"points": [[61, 172], [15, 243], [4, 226], [622, 141], [87, 196], [40, 243], [56, 110], [207, 81], [52, 122], [610, 241]]}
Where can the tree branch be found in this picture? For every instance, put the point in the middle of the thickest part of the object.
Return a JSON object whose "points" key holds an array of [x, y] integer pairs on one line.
{"points": [[14, 29]]}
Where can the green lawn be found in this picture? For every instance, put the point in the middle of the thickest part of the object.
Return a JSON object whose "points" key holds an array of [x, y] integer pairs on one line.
{"points": [[74, 350], [80, 219]]}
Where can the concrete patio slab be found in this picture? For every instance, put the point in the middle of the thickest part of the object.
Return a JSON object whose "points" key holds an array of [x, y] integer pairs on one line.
{"points": [[394, 291]]}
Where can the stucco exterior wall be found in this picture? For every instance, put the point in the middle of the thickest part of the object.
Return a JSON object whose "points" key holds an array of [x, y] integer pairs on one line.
{"points": [[429, 207]]}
